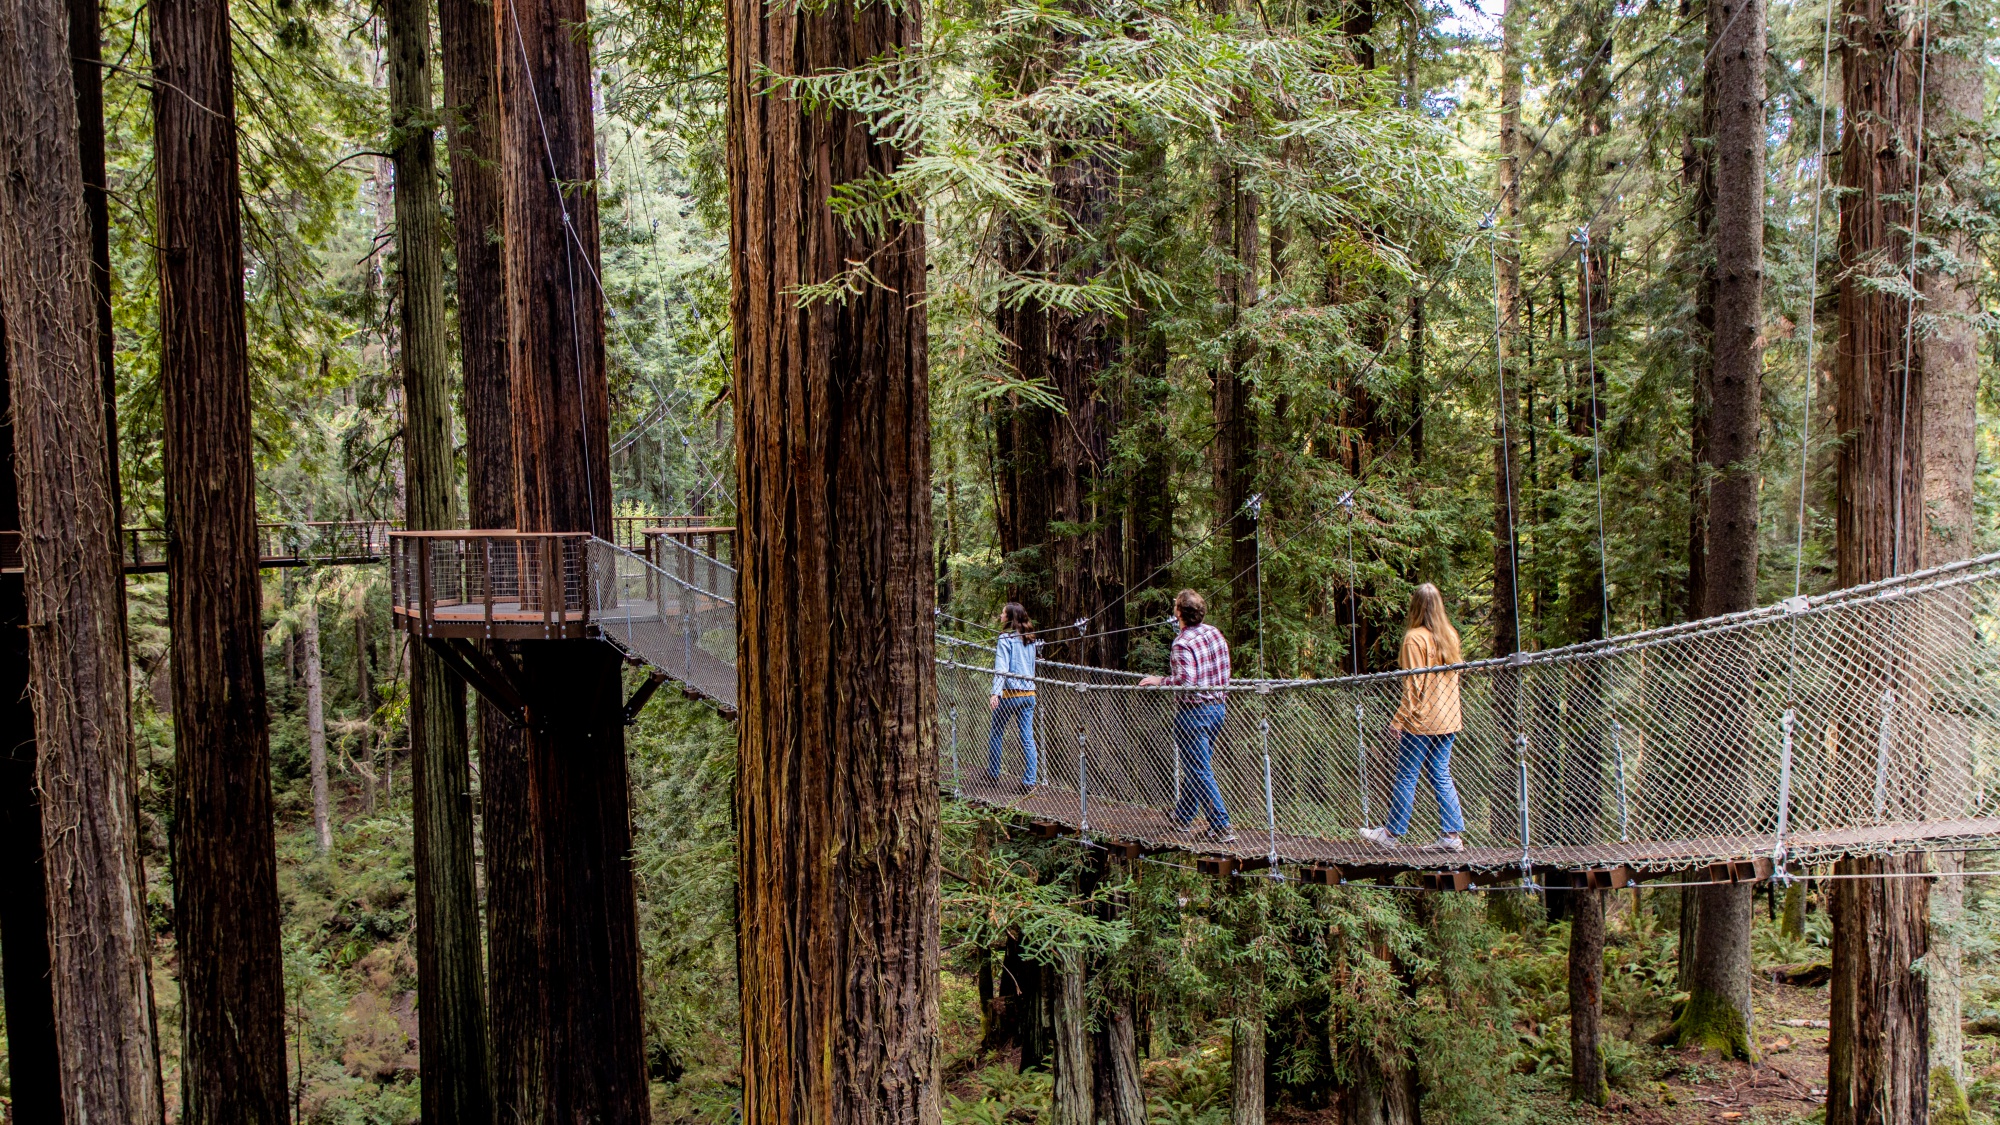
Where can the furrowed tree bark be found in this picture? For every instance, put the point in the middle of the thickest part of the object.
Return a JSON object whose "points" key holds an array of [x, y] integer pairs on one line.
{"points": [[224, 858], [1086, 538], [1954, 168], [316, 722], [1120, 1099], [1246, 1067], [575, 1047], [1734, 86], [24, 928], [472, 130], [1149, 494], [99, 948], [1024, 438], [1877, 1052], [87, 76], [1880, 400], [1718, 1012], [1070, 1094], [451, 1018], [837, 772], [1878, 1047], [1586, 998]]}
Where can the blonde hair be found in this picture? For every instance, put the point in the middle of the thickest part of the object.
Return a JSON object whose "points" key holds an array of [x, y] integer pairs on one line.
{"points": [[1427, 612]]}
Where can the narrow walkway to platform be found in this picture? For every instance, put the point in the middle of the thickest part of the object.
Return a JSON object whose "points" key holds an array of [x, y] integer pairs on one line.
{"points": [[1866, 721]]}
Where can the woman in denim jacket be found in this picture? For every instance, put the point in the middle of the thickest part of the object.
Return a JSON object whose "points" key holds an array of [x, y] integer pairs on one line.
{"points": [[1013, 691]]}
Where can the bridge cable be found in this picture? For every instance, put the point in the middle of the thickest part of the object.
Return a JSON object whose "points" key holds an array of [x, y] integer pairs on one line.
{"points": [[1788, 722], [1596, 444], [571, 244], [1886, 731], [1264, 705]]}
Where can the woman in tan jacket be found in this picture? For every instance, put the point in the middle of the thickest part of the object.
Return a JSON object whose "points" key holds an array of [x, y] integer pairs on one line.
{"points": [[1426, 724]]}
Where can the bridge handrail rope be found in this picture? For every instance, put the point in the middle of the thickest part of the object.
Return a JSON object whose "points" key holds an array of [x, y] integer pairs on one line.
{"points": [[1664, 795], [1807, 761], [1888, 589]]}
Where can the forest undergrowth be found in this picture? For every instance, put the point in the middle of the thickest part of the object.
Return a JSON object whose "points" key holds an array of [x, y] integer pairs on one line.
{"points": [[1469, 988]]}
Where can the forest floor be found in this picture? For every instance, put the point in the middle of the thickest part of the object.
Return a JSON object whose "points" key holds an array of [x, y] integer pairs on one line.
{"points": [[1650, 1085]]}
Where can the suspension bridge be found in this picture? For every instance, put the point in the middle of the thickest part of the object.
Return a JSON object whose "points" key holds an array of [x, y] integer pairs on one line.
{"points": [[1865, 721]]}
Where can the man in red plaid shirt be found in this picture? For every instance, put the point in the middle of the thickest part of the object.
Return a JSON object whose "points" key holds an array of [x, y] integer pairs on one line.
{"points": [[1200, 659]]}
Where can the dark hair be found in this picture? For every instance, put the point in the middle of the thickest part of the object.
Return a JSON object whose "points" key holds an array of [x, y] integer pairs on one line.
{"points": [[1191, 608], [1016, 616]]}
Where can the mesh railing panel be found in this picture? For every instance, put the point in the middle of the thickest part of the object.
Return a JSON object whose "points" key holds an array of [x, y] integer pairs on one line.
{"points": [[649, 611], [1864, 721], [1658, 749], [483, 576]]}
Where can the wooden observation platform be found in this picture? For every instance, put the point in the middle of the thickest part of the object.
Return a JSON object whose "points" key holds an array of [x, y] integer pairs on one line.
{"points": [[470, 596], [490, 585]]}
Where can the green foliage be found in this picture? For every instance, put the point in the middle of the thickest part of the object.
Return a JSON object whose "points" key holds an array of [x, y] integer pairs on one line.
{"points": [[684, 866]]}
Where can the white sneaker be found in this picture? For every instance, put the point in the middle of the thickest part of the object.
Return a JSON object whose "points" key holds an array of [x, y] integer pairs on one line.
{"points": [[1449, 842], [1379, 837]]}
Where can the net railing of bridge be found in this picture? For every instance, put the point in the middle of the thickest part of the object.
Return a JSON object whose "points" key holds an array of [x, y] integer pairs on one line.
{"points": [[652, 612], [1865, 721]]}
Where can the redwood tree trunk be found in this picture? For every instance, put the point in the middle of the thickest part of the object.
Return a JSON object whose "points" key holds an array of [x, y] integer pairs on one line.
{"points": [[1880, 397], [837, 772], [1878, 1057], [512, 847], [24, 923], [1878, 1048], [224, 857], [316, 723], [1071, 1091], [1063, 533], [571, 1036], [472, 130], [1718, 1012], [98, 943], [1954, 163], [87, 76], [451, 1017], [1586, 997], [1246, 1066]]}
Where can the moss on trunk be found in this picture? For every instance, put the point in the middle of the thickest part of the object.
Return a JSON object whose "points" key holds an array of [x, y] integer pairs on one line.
{"points": [[1712, 1021]]}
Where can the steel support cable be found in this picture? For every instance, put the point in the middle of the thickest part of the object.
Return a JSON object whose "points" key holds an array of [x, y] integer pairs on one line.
{"points": [[574, 250], [1597, 474], [664, 404], [1789, 721], [572, 246], [1264, 697], [1885, 736]]}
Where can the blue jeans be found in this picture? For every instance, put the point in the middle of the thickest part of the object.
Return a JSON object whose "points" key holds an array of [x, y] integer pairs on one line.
{"points": [[1020, 711], [1430, 755], [1195, 729]]}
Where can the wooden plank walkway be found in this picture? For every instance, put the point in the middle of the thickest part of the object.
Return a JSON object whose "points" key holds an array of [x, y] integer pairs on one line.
{"points": [[1153, 830]]}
